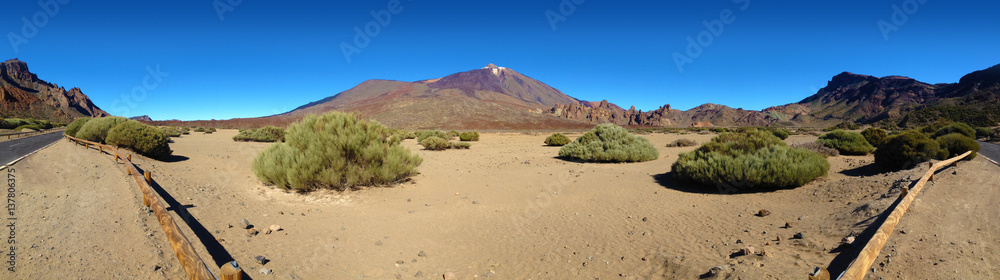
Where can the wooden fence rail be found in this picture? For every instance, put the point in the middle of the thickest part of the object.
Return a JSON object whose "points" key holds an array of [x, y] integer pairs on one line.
{"points": [[25, 133], [193, 266], [860, 266]]}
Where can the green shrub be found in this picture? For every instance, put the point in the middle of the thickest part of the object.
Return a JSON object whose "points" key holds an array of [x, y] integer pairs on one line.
{"points": [[962, 128], [144, 139], [957, 144], [421, 135], [844, 126], [905, 150], [469, 136], [610, 143], [75, 126], [406, 134], [781, 133], [847, 143], [34, 127], [754, 159], [557, 140], [335, 150], [185, 130], [264, 134], [818, 148], [96, 130], [4, 124], [435, 143], [984, 132], [461, 145], [718, 129], [453, 134], [683, 142], [171, 131], [875, 136], [200, 129]]}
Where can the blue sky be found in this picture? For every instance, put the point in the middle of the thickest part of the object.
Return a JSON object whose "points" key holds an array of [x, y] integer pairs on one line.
{"points": [[266, 57]]}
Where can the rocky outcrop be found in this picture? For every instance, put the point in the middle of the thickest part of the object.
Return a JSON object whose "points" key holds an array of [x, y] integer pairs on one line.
{"points": [[23, 94]]}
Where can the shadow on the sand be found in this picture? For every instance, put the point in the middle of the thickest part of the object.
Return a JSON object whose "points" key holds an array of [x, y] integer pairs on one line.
{"points": [[669, 180]]}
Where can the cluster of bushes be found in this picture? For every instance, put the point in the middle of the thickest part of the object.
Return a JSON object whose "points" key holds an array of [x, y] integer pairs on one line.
{"points": [[27, 123], [185, 130], [557, 139], [748, 160], [435, 143], [264, 134], [469, 136], [843, 126], [818, 148], [171, 131], [609, 143], [683, 142], [204, 130], [847, 143], [335, 150], [940, 140], [144, 139], [424, 134], [875, 136]]}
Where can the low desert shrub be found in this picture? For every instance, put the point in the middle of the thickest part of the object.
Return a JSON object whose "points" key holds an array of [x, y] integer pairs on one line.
{"points": [[609, 143], [461, 145], [844, 126], [209, 130], [75, 126], [185, 130], [683, 142], [14, 123], [469, 136], [144, 139], [905, 150], [957, 127], [435, 143], [875, 136], [96, 129], [818, 148], [264, 134], [957, 144], [781, 133], [557, 139], [405, 134], [749, 160], [335, 150], [33, 127], [424, 134], [984, 132], [453, 134], [171, 131], [200, 129], [848, 143]]}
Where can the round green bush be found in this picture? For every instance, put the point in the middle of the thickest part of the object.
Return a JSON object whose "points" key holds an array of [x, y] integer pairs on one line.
{"points": [[557, 140], [610, 143], [848, 143], [75, 126], [33, 127], [781, 133], [96, 130], [957, 144], [469, 136], [435, 143], [264, 134], [906, 150], [875, 136], [461, 145], [958, 127], [983, 132], [144, 139], [453, 134], [749, 160], [421, 135], [171, 131], [335, 150], [683, 142]]}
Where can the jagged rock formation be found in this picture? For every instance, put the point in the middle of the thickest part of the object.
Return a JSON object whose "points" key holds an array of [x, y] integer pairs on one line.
{"points": [[23, 94]]}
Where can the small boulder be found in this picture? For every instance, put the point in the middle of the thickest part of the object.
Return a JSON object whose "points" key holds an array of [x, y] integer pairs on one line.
{"points": [[763, 213]]}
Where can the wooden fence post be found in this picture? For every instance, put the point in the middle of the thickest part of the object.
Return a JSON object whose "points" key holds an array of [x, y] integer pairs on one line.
{"points": [[149, 177], [231, 271], [129, 157]]}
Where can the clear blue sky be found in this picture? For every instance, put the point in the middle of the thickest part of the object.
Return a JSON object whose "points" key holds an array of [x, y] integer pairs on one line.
{"points": [[268, 57]]}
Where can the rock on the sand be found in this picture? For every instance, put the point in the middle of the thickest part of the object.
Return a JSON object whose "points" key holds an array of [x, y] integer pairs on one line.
{"points": [[450, 276], [246, 224], [265, 271]]}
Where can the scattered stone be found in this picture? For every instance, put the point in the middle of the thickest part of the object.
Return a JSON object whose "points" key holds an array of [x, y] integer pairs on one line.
{"points": [[763, 213], [398, 276], [789, 224], [778, 238], [748, 250], [261, 260], [450, 276], [763, 252], [799, 236], [267, 231], [253, 231], [246, 224], [400, 262], [848, 240], [644, 219], [275, 228], [265, 271], [378, 243], [420, 274], [717, 272], [475, 202], [422, 254]]}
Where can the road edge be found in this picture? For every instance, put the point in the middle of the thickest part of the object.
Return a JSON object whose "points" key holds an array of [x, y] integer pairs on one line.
{"points": [[25, 156]]}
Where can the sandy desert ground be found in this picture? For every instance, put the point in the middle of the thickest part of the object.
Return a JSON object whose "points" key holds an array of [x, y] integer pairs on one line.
{"points": [[504, 209]]}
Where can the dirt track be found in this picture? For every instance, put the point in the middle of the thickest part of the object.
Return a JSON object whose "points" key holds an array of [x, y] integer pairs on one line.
{"points": [[505, 209]]}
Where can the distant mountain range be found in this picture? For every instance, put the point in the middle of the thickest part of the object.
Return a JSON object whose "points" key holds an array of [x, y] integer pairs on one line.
{"points": [[24, 95], [496, 97]]}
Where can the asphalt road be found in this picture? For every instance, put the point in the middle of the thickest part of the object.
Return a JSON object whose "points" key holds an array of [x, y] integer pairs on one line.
{"points": [[17, 148], [990, 150]]}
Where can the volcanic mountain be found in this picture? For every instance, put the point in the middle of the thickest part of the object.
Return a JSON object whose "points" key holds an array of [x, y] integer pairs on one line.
{"points": [[488, 98], [23, 94]]}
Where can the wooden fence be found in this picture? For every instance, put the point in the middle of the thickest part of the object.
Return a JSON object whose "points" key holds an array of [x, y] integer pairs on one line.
{"points": [[194, 267], [20, 134], [860, 266]]}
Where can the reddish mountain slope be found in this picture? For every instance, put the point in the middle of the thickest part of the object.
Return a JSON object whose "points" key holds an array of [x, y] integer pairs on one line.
{"points": [[23, 94]]}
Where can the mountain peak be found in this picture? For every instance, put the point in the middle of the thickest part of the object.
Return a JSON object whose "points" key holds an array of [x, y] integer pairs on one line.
{"points": [[491, 66]]}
